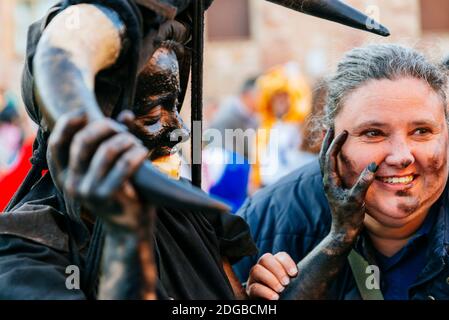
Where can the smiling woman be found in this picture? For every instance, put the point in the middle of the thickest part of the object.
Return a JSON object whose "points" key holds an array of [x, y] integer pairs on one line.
{"points": [[393, 104], [379, 193], [403, 129]]}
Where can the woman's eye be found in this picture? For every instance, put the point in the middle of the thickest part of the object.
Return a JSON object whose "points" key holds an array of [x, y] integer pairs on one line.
{"points": [[421, 131], [372, 133]]}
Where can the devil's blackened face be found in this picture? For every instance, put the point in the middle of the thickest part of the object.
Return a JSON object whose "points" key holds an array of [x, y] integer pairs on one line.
{"points": [[158, 123]]}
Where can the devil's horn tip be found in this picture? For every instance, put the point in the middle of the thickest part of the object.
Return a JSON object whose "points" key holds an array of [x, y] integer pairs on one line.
{"points": [[382, 31]]}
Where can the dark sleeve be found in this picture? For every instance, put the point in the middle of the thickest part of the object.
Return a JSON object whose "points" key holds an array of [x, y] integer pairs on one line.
{"points": [[235, 238], [233, 235], [31, 271], [35, 251], [291, 215], [242, 267]]}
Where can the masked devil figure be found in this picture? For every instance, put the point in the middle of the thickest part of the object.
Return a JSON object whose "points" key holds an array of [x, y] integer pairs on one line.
{"points": [[105, 80]]}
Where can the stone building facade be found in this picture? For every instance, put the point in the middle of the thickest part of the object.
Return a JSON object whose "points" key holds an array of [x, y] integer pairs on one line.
{"points": [[264, 36], [278, 35]]}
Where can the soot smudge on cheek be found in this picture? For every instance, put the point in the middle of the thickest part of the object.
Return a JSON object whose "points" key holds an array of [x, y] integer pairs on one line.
{"points": [[435, 164], [403, 193], [436, 167], [409, 208], [438, 161]]}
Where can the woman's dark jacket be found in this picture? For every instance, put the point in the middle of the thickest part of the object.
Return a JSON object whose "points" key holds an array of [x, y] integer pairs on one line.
{"points": [[293, 216]]}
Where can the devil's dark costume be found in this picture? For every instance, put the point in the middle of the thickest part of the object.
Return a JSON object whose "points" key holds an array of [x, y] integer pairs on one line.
{"points": [[43, 231]]}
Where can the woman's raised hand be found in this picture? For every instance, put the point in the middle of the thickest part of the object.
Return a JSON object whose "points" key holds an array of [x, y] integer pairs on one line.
{"points": [[347, 205]]}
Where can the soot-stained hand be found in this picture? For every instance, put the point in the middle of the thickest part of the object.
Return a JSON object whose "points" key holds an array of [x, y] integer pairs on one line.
{"points": [[94, 162], [347, 205]]}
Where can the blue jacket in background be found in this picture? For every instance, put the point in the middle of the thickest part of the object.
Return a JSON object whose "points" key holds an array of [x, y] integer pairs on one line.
{"points": [[293, 215]]}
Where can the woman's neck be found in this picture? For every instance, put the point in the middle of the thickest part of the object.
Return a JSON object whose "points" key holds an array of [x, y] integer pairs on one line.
{"points": [[390, 240], [388, 247]]}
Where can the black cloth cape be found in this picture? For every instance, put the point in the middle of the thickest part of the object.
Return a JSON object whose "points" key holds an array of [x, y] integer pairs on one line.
{"points": [[43, 232]]}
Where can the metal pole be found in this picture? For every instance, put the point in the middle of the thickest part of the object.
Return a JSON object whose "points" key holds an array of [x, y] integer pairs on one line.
{"points": [[197, 90]]}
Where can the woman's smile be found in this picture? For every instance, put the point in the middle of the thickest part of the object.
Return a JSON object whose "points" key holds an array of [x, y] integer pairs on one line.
{"points": [[397, 182]]}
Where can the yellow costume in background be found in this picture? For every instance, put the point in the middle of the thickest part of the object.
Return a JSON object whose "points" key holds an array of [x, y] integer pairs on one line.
{"points": [[280, 79]]}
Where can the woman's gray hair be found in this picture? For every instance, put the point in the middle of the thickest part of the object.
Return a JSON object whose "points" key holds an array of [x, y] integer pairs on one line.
{"points": [[376, 62]]}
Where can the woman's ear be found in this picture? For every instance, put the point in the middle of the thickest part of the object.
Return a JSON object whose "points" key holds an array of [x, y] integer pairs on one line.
{"points": [[325, 130], [323, 133]]}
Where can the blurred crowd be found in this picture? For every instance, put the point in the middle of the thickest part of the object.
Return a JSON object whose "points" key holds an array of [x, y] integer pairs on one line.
{"points": [[16, 145], [262, 133]]}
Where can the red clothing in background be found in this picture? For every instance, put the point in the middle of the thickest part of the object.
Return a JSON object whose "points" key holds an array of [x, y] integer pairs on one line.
{"points": [[10, 182]]}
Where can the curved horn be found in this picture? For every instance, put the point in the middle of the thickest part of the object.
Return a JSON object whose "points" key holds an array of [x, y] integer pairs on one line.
{"points": [[160, 190], [336, 11]]}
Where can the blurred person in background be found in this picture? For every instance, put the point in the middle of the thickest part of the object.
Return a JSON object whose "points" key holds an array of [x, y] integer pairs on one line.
{"points": [[16, 144], [225, 176], [285, 101], [11, 135], [211, 106], [237, 112], [230, 140]]}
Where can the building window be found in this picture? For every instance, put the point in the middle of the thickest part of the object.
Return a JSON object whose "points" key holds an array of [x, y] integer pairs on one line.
{"points": [[228, 20], [434, 15]]}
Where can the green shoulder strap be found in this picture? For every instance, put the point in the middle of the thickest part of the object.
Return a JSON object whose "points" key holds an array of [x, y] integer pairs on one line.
{"points": [[359, 266]]}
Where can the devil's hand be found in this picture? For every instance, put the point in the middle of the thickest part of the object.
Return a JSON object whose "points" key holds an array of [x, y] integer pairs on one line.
{"points": [[93, 163], [347, 205]]}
